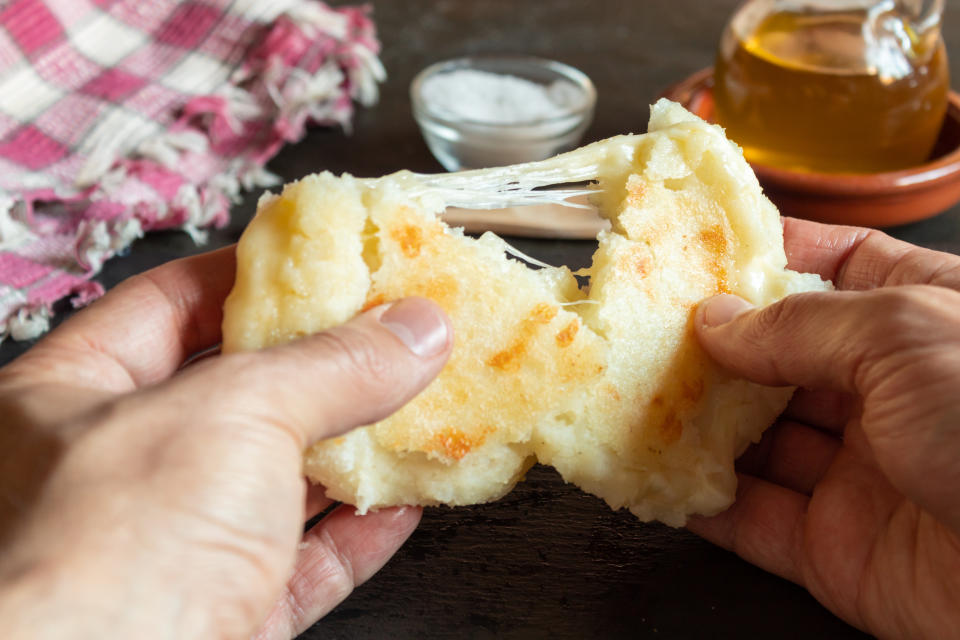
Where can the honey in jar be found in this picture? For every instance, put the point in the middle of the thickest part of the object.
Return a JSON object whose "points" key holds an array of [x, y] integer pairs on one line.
{"points": [[860, 90]]}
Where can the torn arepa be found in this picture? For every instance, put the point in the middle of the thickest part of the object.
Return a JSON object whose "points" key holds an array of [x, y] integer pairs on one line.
{"points": [[606, 383]]}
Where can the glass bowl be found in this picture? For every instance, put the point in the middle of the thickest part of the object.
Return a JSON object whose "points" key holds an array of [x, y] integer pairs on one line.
{"points": [[460, 142]]}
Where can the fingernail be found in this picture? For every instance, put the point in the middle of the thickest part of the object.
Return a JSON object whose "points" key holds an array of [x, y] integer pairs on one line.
{"points": [[722, 309], [419, 324]]}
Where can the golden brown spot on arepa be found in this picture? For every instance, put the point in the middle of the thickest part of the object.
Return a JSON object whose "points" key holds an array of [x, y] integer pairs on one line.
{"points": [[568, 333], [510, 357], [670, 428], [410, 239], [680, 391], [442, 288], [637, 261], [454, 443], [636, 191], [714, 241], [543, 313], [692, 390]]}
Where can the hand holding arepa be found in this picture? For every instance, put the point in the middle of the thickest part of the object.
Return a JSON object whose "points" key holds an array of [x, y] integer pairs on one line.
{"points": [[855, 493], [140, 496]]}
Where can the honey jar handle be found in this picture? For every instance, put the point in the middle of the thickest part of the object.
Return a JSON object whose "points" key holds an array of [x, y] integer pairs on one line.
{"points": [[929, 13]]}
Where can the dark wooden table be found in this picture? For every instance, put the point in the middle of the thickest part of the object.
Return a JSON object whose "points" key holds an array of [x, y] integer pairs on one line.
{"points": [[547, 560]]}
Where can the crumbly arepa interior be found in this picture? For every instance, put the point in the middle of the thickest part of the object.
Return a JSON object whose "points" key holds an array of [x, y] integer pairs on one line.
{"points": [[604, 382]]}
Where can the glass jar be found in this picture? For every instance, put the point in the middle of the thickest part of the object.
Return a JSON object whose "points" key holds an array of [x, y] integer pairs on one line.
{"points": [[840, 86]]}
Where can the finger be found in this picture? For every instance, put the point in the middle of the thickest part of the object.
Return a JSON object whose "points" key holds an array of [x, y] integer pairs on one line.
{"points": [[142, 330], [200, 356], [839, 340], [823, 409], [337, 555], [792, 455], [764, 527], [861, 259], [325, 384], [812, 247], [317, 501]]}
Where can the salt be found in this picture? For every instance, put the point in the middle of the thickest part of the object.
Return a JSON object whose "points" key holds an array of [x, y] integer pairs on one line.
{"points": [[481, 117], [481, 96]]}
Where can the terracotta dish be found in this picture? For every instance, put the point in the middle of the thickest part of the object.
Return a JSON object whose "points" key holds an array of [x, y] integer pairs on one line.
{"points": [[875, 200]]}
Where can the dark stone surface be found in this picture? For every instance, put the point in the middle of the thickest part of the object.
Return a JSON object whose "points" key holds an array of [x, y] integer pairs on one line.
{"points": [[547, 560]]}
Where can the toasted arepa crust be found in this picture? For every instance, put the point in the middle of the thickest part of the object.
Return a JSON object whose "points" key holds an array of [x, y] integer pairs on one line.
{"points": [[608, 385]]}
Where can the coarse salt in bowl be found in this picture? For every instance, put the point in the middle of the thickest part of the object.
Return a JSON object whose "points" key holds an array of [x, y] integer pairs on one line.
{"points": [[492, 111]]}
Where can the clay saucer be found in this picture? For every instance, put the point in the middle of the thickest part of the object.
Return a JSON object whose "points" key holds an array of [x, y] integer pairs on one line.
{"points": [[875, 200]]}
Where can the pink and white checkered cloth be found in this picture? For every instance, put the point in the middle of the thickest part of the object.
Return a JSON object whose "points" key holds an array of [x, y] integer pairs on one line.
{"points": [[118, 117]]}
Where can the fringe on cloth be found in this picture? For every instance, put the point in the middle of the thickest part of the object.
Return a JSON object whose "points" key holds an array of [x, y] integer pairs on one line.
{"points": [[307, 65]]}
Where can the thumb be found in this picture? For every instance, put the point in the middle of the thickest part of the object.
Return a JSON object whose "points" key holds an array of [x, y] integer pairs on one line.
{"points": [[348, 376], [840, 340], [898, 348]]}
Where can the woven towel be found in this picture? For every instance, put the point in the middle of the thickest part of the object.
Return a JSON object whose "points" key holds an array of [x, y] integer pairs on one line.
{"points": [[118, 117]]}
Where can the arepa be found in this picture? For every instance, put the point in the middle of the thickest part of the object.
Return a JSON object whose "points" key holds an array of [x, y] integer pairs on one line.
{"points": [[606, 382]]}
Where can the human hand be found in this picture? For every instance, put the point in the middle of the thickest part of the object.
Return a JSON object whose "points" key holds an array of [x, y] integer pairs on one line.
{"points": [[144, 500], [855, 493]]}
